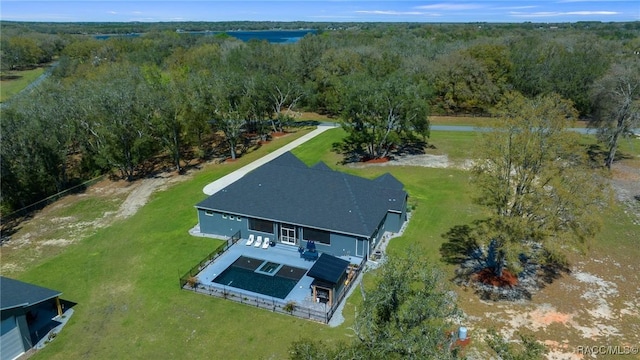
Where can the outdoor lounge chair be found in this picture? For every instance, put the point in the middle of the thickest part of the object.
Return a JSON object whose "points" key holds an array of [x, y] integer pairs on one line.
{"points": [[250, 241], [265, 245], [258, 241]]}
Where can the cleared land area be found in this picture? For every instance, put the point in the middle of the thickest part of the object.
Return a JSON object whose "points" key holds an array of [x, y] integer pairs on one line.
{"points": [[15, 81], [122, 266]]}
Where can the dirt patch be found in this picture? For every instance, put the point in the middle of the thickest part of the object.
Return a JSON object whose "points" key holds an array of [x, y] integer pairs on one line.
{"points": [[625, 181], [56, 242], [140, 194], [596, 305], [50, 230], [424, 160]]}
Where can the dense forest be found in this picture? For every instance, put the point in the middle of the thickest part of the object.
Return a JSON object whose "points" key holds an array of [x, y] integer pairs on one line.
{"points": [[124, 104]]}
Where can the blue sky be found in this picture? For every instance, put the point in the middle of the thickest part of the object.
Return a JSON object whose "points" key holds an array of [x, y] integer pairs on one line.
{"points": [[336, 10]]}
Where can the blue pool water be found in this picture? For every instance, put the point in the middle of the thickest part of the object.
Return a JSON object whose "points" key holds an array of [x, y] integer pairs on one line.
{"points": [[253, 280]]}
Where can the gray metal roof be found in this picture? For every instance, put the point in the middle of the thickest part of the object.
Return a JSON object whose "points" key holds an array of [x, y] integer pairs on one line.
{"points": [[15, 293], [286, 190]]}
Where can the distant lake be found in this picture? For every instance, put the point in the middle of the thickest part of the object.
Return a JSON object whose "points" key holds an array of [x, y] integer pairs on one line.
{"points": [[272, 36]]}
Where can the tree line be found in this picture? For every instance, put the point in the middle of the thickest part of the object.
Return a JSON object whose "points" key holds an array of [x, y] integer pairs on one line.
{"points": [[124, 103]]}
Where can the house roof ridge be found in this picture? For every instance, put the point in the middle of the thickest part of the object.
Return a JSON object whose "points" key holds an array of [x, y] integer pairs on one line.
{"points": [[354, 199]]}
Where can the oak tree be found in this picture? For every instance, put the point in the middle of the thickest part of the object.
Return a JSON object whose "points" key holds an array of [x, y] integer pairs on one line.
{"points": [[616, 97], [533, 176]]}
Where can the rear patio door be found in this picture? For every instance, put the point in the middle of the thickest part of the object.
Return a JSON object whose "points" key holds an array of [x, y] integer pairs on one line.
{"points": [[288, 234], [360, 247]]}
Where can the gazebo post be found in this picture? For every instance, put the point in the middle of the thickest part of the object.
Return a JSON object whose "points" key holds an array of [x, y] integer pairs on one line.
{"points": [[330, 297], [59, 306]]}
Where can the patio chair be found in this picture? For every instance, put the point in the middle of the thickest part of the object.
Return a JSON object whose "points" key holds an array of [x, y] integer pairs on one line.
{"points": [[311, 245], [250, 240], [258, 241], [265, 244]]}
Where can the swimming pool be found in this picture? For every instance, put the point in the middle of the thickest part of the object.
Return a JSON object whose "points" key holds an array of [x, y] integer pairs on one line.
{"points": [[261, 276]]}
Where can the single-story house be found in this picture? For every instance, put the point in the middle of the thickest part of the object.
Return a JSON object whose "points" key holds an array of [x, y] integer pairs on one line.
{"points": [[291, 203], [26, 314]]}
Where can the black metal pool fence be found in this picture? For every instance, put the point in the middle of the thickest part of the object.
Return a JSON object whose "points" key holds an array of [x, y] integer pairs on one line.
{"points": [[188, 276]]}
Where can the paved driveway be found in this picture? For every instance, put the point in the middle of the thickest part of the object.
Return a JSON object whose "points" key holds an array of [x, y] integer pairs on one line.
{"points": [[228, 179]]}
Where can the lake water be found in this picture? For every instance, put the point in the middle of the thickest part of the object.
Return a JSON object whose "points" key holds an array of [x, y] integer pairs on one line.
{"points": [[272, 36]]}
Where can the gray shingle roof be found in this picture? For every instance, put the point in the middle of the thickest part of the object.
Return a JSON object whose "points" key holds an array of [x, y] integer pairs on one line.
{"points": [[283, 191], [387, 180], [15, 293], [321, 166], [328, 268]]}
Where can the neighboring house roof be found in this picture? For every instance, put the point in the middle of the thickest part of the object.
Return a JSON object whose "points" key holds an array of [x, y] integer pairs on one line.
{"points": [[15, 293], [286, 190], [328, 268]]}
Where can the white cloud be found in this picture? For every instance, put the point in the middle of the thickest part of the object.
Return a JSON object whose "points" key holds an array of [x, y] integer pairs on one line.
{"points": [[113, 12], [389, 12], [593, 13], [559, 13], [448, 6], [515, 7]]}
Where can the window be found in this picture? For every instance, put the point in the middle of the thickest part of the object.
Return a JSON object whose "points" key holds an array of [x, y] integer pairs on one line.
{"points": [[208, 212], [264, 226], [224, 216], [231, 217], [320, 236], [238, 218]]}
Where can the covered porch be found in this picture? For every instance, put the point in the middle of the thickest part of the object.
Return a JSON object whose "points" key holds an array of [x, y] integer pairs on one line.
{"points": [[330, 276]]}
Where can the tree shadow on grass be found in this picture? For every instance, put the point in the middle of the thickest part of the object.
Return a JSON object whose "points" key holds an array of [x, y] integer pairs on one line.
{"points": [[9, 77], [476, 265], [597, 154], [460, 245]]}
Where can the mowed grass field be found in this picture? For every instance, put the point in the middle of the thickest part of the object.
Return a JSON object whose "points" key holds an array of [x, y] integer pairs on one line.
{"points": [[124, 277], [17, 81]]}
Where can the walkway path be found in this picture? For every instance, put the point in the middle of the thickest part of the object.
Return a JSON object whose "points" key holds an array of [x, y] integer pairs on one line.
{"points": [[228, 179]]}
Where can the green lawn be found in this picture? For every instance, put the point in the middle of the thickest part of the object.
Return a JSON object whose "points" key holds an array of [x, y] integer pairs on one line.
{"points": [[8, 88], [124, 278], [125, 281]]}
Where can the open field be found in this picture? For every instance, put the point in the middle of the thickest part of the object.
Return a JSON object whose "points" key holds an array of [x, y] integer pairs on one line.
{"points": [[17, 81], [122, 267]]}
